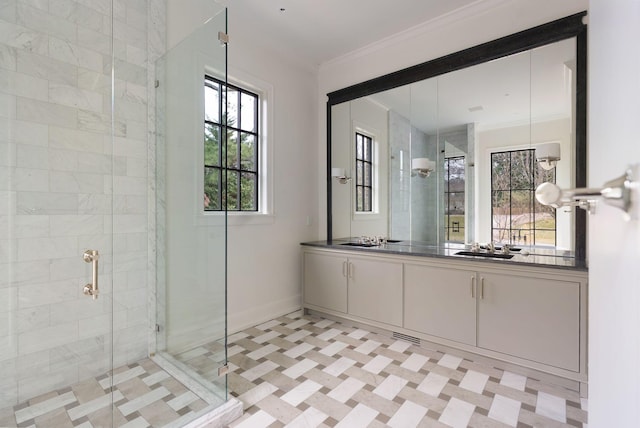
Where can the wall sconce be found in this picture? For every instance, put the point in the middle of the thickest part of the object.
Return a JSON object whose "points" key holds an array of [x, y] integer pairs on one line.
{"points": [[340, 174], [422, 167], [548, 155]]}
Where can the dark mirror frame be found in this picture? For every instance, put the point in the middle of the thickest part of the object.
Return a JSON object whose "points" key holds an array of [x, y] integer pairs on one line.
{"points": [[555, 31]]}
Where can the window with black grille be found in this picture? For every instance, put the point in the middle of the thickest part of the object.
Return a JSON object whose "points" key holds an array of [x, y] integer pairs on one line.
{"points": [[516, 216], [454, 199], [364, 173], [231, 147]]}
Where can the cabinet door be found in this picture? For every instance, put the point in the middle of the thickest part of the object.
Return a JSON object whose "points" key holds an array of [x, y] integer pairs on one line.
{"points": [[325, 281], [532, 318], [375, 290], [440, 302]]}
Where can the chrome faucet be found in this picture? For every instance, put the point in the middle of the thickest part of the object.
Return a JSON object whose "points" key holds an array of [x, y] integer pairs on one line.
{"points": [[372, 240]]}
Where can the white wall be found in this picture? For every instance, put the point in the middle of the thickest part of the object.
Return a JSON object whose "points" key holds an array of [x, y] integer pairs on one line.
{"points": [[264, 260], [614, 244], [264, 266], [481, 22]]}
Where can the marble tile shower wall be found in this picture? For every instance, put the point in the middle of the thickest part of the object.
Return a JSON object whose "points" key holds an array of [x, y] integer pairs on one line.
{"points": [[412, 198], [400, 185], [66, 185]]}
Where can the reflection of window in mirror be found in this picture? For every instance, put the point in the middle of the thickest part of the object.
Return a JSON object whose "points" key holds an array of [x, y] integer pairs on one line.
{"points": [[364, 173], [454, 199], [516, 217]]}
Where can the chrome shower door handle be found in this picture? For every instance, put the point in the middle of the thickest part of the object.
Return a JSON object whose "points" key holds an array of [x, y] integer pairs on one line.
{"points": [[92, 256]]}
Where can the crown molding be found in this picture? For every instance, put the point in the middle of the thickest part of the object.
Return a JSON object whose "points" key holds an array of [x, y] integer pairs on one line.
{"points": [[473, 9]]}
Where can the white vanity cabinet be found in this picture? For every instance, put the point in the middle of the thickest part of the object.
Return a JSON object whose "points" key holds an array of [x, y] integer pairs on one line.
{"points": [[366, 287], [440, 302], [532, 317]]}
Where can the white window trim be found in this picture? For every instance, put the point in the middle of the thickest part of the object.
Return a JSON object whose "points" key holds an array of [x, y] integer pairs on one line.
{"points": [[374, 214], [265, 213]]}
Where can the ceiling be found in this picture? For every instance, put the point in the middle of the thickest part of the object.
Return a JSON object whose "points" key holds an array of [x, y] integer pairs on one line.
{"points": [[532, 86], [317, 31]]}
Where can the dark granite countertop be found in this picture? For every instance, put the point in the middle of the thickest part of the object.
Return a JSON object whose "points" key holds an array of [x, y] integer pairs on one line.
{"points": [[533, 256]]}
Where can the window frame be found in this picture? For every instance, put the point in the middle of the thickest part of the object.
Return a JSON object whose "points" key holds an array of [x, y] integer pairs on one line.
{"points": [[265, 91], [447, 192], [361, 198], [531, 189], [224, 129], [368, 131]]}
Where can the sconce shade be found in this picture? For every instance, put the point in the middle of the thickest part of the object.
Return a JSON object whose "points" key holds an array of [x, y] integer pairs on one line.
{"points": [[340, 174], [422, 166], [337, 172], [548, 155]]}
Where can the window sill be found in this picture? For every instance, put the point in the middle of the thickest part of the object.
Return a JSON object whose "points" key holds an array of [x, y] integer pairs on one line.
{"points": [[234, 219], [366, 216]]}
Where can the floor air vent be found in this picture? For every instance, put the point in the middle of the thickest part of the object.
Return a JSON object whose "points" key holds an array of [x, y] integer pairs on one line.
{"points": [[406, 338]]}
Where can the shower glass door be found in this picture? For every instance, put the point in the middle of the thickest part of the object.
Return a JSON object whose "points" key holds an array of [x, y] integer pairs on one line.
{"points": [[59, 182], [190, 210]]}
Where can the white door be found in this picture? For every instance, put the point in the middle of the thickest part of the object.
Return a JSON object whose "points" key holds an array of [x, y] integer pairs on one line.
{"points": [[614, 245]]}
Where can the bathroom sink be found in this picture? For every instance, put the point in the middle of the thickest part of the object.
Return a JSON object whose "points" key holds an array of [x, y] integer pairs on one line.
{"points": [[498, 248], [489, 255], [357, 244], [393, 241]]}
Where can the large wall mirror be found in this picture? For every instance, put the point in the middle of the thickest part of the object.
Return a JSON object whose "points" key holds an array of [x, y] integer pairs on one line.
{"points": [[451, 151]]}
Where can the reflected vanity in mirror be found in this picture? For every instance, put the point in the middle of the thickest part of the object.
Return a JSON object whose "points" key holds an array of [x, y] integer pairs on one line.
{"points": [[451, 151]]}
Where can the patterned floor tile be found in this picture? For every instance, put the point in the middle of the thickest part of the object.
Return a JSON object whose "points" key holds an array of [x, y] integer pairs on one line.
{"points": [[306, 371], [144, 395], [315, 372]]}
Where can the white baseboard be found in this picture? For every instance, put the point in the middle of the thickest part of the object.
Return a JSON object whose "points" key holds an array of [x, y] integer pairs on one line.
{"points": [[194, 336], [239, 320]]}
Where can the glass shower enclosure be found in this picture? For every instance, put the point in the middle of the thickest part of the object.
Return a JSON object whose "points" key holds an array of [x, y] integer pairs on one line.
{"points": [[191, 258], [112, 280]]}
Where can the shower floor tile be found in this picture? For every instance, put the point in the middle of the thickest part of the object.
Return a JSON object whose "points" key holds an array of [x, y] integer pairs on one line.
{"points": [[301, 370], [144, 395]]}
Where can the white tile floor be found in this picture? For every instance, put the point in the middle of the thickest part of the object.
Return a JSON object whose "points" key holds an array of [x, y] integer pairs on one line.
{"points": [[305, 371]]}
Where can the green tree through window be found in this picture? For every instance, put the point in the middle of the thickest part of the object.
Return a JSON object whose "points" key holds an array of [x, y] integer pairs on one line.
{"points": [[517, 217], [230, 147]]}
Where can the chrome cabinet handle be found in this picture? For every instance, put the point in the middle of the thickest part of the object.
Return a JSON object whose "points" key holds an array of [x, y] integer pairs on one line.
{"points": [[92, 256], [473, 286], [344, 269], [350, 270], [482, 288]]}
